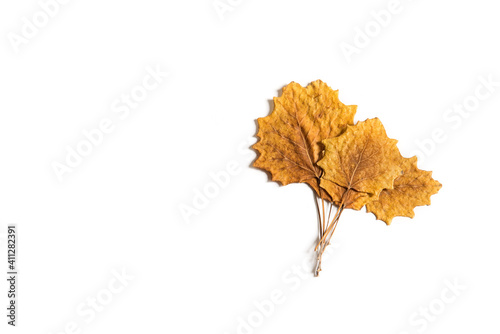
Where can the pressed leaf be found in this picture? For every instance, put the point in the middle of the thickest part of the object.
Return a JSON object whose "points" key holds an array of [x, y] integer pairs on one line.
{"points": [[362, 159], [290, 137], [413, 188]]}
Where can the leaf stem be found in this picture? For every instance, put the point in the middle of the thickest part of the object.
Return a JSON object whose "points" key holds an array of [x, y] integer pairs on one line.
{"points": [[323, 218]]}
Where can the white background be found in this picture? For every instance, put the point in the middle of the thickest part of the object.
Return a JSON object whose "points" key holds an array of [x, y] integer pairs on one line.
{"points": [[120, 208]]}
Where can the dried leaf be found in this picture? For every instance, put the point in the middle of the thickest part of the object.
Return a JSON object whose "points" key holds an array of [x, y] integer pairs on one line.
{"points": [[411, 189], [290, 137], [362, 159]]}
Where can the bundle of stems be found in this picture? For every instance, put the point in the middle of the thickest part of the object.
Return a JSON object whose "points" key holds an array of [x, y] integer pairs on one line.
{"points": [[327, 226]]}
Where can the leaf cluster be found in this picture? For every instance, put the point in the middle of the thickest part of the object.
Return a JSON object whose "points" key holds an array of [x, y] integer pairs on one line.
{"points": [[310, 137]]}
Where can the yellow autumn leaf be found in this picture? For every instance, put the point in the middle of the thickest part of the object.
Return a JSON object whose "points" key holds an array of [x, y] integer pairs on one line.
{"points": [[413, 188], [290, 137], [363, 160]]}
